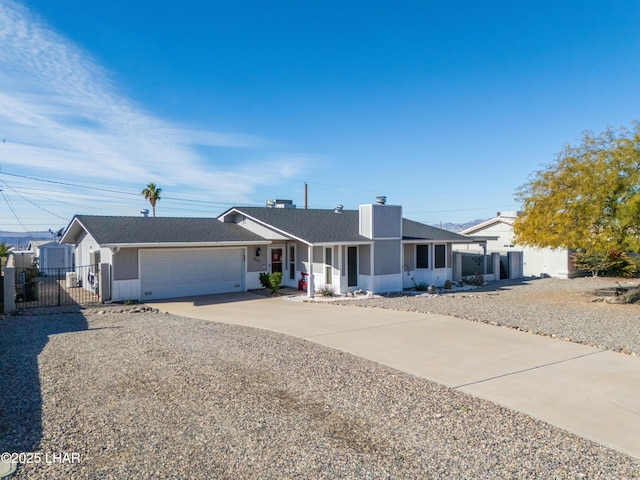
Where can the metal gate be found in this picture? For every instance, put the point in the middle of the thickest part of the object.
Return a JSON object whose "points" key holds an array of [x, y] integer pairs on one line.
{"points": [[48, 287]]}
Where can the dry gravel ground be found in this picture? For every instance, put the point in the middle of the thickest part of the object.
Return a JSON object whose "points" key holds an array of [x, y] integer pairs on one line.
{"points": [[151, 395]]}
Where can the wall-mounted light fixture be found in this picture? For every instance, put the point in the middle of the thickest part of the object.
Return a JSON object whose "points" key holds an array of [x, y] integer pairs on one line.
{"points": [[258, 252]]}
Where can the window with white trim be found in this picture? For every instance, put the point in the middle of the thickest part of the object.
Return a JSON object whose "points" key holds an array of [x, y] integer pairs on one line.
{"points": [[422, 256], [439, 256], [292, 262]]}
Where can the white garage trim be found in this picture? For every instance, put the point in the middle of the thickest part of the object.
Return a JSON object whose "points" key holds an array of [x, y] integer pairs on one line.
{"points": [[181, 272]]}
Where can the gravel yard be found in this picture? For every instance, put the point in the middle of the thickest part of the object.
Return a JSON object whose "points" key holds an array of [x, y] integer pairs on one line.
{"points": [[151, 395]]}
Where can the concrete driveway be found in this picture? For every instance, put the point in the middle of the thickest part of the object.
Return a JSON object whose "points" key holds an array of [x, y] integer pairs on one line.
{"points": [[591, 392]]}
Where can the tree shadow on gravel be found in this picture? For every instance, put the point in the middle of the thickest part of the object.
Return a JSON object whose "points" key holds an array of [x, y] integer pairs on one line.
{"points": [[22, 339]]}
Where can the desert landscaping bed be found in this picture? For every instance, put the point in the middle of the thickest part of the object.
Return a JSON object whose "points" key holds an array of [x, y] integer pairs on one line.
{"points": [[151, 395]]}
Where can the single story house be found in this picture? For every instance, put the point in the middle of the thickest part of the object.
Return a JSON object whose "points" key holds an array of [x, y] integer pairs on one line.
{"points": [[498, 233], [373, 249]]}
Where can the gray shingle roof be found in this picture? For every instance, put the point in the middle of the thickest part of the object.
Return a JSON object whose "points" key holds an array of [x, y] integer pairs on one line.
{"points": [[310, 225], [326, 226], [146, 230], [412, 230]]}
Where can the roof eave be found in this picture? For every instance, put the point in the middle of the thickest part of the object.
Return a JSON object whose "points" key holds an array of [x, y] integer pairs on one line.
{"points": [[483, 238], [437, 240], [485, 224], [73, 229], [186, 244], [269, 226], [340, 242]]}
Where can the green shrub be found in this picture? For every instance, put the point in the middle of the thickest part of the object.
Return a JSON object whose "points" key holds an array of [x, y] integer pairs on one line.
{"points": [[275, 279], [420, 287], [607, 264], [271, 281], [327, 291], [264, 280]]}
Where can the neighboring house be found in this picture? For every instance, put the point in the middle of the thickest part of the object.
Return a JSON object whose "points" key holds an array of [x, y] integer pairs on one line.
{"points": [[51, 255], [34, 245], [536, 261], [372, 249]]}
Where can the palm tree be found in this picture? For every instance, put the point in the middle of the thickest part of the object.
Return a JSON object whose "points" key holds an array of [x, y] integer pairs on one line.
{"points": [[152, 193]]}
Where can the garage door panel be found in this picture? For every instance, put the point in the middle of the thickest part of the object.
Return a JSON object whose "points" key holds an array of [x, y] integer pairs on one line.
{"points": [[166, 273]]}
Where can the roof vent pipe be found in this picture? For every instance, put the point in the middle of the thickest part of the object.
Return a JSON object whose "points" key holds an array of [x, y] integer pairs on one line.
{"points": [[144, 212], [338, 209], [381, 200]]}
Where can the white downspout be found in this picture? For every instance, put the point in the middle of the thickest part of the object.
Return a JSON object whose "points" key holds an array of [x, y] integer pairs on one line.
{"points": [[372, 265], [310, 282], [484, 259]]}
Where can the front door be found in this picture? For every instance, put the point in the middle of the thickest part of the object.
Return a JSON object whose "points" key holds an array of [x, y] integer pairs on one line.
{"points": [[276, 260], [352, 266]]}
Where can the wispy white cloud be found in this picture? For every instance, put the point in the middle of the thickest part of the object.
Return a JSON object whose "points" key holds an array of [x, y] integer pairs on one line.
{"points": [[63, 117]]}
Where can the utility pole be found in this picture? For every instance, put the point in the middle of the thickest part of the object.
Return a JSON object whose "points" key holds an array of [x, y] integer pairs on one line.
{"points": [[306, 203]]}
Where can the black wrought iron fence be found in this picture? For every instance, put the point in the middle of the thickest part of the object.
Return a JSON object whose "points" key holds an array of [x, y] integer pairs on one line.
{"points": [[47, 287]]}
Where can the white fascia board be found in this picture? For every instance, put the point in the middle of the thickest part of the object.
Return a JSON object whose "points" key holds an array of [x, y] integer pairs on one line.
{"points": [[433, 240], [294, 237], [77, 226], [327, 244], [485, 224], [483, 238], [227, 212], [475, 239], [74, 223], [186, 244], [271, 227]]}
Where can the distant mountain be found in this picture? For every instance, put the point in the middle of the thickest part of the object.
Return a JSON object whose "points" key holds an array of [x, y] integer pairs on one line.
{"points": [[458, 227], [20, 240]]}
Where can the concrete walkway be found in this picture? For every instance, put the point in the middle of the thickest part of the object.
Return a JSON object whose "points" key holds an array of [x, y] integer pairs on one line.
{"points": [[591, 392]]}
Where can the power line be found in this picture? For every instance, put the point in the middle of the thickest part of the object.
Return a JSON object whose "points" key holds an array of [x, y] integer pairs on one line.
{"points": [[67, 184], [32, 203], [13, 211], [109, 190]]}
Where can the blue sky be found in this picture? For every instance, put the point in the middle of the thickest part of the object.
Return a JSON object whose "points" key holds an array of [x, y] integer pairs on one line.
{"points": [[444, 107]]}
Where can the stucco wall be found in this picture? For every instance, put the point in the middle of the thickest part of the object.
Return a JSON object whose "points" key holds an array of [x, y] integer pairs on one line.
{"points": [[364, 260], [125, 264], [259, 229], [387, 221], [546, 261], [381, 221], [387, 254], [257, 263]]}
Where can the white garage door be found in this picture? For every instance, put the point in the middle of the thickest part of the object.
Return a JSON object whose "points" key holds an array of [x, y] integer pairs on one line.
{"points": [[177, 272]]}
